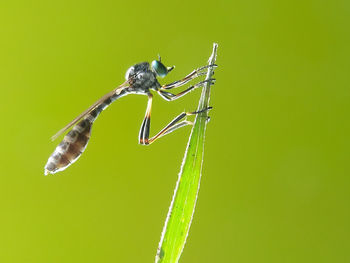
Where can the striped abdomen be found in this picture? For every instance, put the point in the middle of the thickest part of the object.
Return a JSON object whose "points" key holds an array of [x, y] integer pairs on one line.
{"points": [[75, 142]]}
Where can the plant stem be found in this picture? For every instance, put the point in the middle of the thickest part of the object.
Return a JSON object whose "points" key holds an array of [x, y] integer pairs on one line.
{"points": [[183, 204]]}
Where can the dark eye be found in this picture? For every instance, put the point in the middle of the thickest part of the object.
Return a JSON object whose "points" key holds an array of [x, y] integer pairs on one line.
{"points": [[159, 68]]}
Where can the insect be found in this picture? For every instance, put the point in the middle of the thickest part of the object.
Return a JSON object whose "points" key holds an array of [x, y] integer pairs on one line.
{"points": [[140, 79]]}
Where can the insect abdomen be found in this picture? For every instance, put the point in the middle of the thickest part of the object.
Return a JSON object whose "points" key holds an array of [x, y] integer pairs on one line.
{"points": [[75, 142], [71, 147]]}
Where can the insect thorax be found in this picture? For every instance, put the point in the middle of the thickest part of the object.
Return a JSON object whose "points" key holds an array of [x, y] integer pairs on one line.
{"points": [[142, 77]]}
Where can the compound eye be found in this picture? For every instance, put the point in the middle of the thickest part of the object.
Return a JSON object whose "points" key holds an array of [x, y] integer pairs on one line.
{"points": [[159, 68]]}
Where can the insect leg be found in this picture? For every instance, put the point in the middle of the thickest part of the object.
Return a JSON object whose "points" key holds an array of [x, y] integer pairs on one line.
{"points": [[146, 124], [194, 74], [172, 126], [170, 96]]}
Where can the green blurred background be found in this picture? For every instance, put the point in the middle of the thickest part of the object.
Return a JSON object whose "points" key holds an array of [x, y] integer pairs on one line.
{"points": [[275, 185]]}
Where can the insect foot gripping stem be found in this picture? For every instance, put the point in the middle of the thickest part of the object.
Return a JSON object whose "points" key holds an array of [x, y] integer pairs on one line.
{"points": [[200, 111]]}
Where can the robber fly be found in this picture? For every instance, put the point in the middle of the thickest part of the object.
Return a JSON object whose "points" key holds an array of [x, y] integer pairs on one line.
{"points": [[140, 79]]}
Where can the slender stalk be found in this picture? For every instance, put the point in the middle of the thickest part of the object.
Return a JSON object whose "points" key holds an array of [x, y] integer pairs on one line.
{"points": [[183, 204]]}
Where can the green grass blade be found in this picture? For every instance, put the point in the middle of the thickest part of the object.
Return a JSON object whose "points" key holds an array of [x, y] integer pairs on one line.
{"points": [[183, 204]]}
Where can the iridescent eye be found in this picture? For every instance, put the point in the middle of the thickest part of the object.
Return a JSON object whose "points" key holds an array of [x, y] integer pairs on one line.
{"points": [[159, 68]]}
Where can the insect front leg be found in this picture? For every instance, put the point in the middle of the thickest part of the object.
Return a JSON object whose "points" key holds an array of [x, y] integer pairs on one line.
{"points": [[170, 96], [194, 74]]}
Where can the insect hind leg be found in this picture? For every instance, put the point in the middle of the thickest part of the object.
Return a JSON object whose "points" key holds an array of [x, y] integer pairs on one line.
{"points": [[175, 124]]}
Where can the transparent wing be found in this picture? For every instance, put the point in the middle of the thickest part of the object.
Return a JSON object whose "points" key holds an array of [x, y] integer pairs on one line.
{"points": [[91, 108]]}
